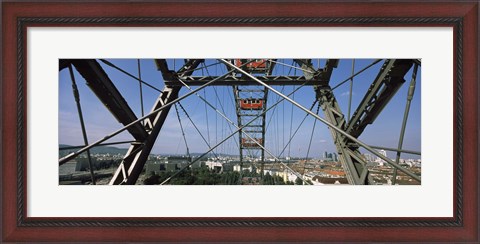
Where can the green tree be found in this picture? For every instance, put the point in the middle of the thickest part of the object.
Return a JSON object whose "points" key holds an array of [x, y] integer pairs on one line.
{"points": [[278, 180], [268, 179], [298, 181], [153, 179]]}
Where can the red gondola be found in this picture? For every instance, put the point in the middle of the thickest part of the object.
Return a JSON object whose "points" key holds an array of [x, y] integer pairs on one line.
{"points": [[255, 66], [247, 142], [253, 104]]}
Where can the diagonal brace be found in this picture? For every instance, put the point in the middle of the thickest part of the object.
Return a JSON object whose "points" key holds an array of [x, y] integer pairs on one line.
{"points": [[106, 91]]}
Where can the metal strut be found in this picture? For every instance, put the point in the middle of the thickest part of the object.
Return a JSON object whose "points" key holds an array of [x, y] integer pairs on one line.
{"points": [[382, 89], [134, 161], [250, 102], [350, 157], [106, 91], [411, 91], [196, 128], [82, 123], [352, 161]]}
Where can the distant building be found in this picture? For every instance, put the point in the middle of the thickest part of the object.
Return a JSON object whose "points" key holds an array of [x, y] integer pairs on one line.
{"points": [[237, 168], [197, 164], [227, 167], [216, 166], [177, 159], [154, 166], [380, 161], [172, 163], [250, 168], [330, 156], [368, 157], [329, 180], [171, 167], [335, 157]]}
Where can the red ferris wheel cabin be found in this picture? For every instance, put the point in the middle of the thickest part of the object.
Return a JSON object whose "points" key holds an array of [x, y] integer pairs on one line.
{"points": [[247, 142], [255, 66], [253, 104]]}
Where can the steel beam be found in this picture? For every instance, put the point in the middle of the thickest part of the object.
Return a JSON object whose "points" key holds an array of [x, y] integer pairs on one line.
{"points": [[273, 80], [171, 76], [137, 155], [103, 144], [103, 87], [252, 130], [189, 66], [265, 97], [63, 63], [328, 69], [132, 165], [307, 67], [236, 94], [349, 155], [383, 88], [76, 95], [396, 150], [162, 66], [411, 91]]}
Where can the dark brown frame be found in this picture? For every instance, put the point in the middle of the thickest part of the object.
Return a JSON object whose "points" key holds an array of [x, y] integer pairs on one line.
{"points": [[462, 16]]}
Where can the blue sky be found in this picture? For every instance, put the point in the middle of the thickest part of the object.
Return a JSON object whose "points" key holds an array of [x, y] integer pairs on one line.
{"points": [[99, 122]]}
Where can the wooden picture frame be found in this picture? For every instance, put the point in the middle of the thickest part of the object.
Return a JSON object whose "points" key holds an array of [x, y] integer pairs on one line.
{"points": [[18, 16]]}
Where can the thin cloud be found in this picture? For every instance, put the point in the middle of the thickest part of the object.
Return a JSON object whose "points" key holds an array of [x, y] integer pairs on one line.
{"points": [[347, 93]]}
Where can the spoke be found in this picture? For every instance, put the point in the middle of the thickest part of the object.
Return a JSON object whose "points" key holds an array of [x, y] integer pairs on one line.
{"points": [[201, 68], [351, 90], [283, 87], [291, 66], [359, 72], [196, 128], [128, 74], [273, 112], [140, 86], [411, 91], [291, 125], [206, 114], [311, 139], [103, 144], [296, 130], [183, 132], [76, 95], [218, 99], [396, 150]]}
